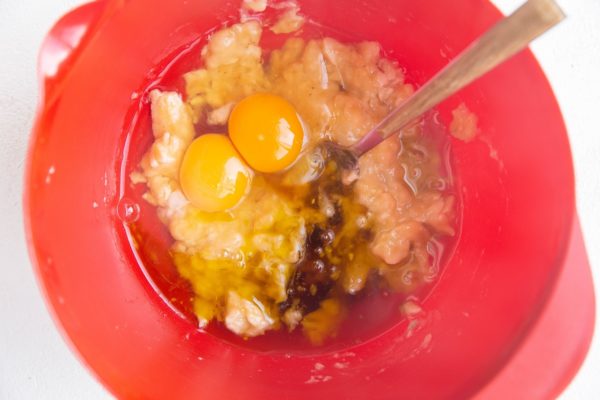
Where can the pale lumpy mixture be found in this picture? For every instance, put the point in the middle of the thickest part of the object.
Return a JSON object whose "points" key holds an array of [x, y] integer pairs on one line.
{"points": [[241, 263]]}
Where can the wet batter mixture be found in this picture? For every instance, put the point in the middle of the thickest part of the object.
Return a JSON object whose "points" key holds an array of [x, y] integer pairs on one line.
{"points": [[260, 252]]}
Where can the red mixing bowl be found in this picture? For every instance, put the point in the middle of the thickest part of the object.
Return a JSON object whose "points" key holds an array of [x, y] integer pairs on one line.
{"points": [[515, 181]]}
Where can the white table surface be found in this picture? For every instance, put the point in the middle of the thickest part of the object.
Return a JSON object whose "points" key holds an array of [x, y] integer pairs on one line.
{"points": [[35, 362]]}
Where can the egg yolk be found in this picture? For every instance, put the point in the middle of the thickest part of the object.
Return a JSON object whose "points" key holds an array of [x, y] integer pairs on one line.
{"points": [[267, 132], [213, 176]]}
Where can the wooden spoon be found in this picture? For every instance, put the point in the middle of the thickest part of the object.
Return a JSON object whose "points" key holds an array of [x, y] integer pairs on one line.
{"points": [[495, 46]]}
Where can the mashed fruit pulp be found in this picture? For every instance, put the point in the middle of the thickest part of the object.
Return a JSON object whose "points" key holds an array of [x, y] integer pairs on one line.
{"points": [[289, 256]]}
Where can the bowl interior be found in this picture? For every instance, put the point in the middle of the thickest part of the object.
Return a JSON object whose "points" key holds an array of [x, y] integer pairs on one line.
{"points": [[515, 181]]}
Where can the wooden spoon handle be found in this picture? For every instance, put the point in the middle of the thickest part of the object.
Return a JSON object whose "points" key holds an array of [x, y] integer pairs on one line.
{"points": [[498, 44]]}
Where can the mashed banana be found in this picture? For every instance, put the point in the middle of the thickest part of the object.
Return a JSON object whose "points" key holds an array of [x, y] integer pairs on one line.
{"points": [[240, 263]]}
